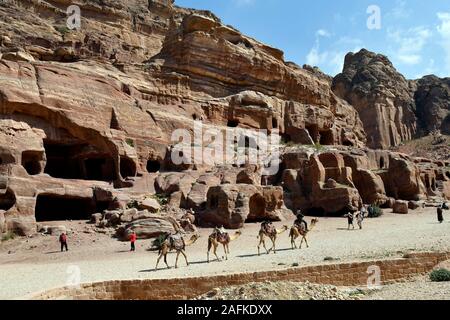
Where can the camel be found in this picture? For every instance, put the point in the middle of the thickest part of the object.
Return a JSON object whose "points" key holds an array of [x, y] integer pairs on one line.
{"points": [[300, 231], [267, 230], [174, 242], [224, 238]]}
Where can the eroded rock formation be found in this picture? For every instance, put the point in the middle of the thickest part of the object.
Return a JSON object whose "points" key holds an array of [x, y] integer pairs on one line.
{"points": [[86, 118]]}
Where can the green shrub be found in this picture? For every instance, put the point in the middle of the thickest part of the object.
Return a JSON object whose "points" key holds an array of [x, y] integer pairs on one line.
{"points": [[133, 204], [162, 199], [8, 236], [130, 142], [440, 275], [62, 29], [375, 212]]}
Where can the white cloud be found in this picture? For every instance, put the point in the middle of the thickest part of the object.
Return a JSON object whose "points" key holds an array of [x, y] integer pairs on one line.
{"points": [[331, 61], [323, 33], [444, 31], [409, 44]]}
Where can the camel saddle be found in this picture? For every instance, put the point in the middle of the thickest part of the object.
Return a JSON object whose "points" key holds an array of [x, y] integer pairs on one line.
{"points": [[268, 228], [223, 237], [177, 241]]}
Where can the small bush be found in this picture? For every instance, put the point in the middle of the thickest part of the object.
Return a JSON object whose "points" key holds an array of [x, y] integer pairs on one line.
{"points": [[133, 204], [62, 29], [8, 236], [440, 275], [130, 142], [162, 199], [375, 211]]}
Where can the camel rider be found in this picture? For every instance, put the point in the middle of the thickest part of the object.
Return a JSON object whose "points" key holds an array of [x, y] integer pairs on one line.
{"points": [[268, 227], [220, 231], [300, 220]]}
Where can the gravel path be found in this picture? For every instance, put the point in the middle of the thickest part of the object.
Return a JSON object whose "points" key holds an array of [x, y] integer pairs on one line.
{"points": [[419, 289], [36, 265]]}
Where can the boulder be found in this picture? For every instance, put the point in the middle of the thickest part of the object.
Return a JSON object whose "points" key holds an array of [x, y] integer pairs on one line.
{"points": [[330, 184], [413, 205], [55, 230], [151, 227], [196, 198], [18, 56], [96, 218], [400, 207], [150, 204], [232, 205]]}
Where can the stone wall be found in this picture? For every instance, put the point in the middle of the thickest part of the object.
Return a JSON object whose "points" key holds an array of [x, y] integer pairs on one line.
{"points": [[344, 274]]}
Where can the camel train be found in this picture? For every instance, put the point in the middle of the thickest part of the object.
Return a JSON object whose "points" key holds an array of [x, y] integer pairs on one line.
{"points": [[176, 242]]}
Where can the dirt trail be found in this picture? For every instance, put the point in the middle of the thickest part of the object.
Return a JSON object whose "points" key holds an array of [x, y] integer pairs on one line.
{"points": [[37, 265]]}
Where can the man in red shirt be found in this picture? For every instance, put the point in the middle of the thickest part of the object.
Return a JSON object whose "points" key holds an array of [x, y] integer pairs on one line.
{"points": [[133, 239], [63, 241]]}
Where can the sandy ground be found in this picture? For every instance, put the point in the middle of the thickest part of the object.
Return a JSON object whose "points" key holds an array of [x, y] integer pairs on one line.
{"points": [[32, 265]]}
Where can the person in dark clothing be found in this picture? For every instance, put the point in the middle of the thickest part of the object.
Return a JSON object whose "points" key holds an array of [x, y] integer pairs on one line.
{"points": [[133, 238], [350, 218], [300, 220], [63, 241], [445, 206], [440, 215]]}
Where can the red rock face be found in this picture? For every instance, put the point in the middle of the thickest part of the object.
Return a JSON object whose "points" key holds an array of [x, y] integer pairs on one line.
{"points": [[381, 96], [87, 117]]}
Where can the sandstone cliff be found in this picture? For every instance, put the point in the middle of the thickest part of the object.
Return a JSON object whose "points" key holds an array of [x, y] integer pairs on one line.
{"points": [[87, 116]]}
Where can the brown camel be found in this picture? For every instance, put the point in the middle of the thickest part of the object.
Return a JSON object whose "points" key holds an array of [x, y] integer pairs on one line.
{"points": [[300, 231], [174, 242], [268, 230], [219, 236]]}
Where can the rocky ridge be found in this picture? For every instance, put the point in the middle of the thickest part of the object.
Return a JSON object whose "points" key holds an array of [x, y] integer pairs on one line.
{"points": [[86, 118]]}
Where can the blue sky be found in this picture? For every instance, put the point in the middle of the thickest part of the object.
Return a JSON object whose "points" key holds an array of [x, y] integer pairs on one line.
{"points": [[414, 34]]}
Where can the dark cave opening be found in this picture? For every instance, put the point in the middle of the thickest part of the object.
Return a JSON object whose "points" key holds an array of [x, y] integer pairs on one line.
{"points": [[153, 166], [59, 208], [232, 123], [274, 123], [77, 161], [326, 138], [257, 208], [313, 131], [7, 200], [127, 168], [381, 163], [31, 161]]}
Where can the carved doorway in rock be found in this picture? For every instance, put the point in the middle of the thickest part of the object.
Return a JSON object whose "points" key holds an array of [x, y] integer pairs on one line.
{"points": [[257, 208], [60, 208]]}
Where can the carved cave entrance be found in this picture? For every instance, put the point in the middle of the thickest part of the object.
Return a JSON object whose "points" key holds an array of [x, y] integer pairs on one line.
{"points": [[153, 166], [59, 208], [78, 160], [31, 161], [7, 200], [257, 208]]}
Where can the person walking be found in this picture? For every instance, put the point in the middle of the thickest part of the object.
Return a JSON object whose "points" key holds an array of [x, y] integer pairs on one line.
{"points": [[133, 238], [63, 241], [440, 215]]}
